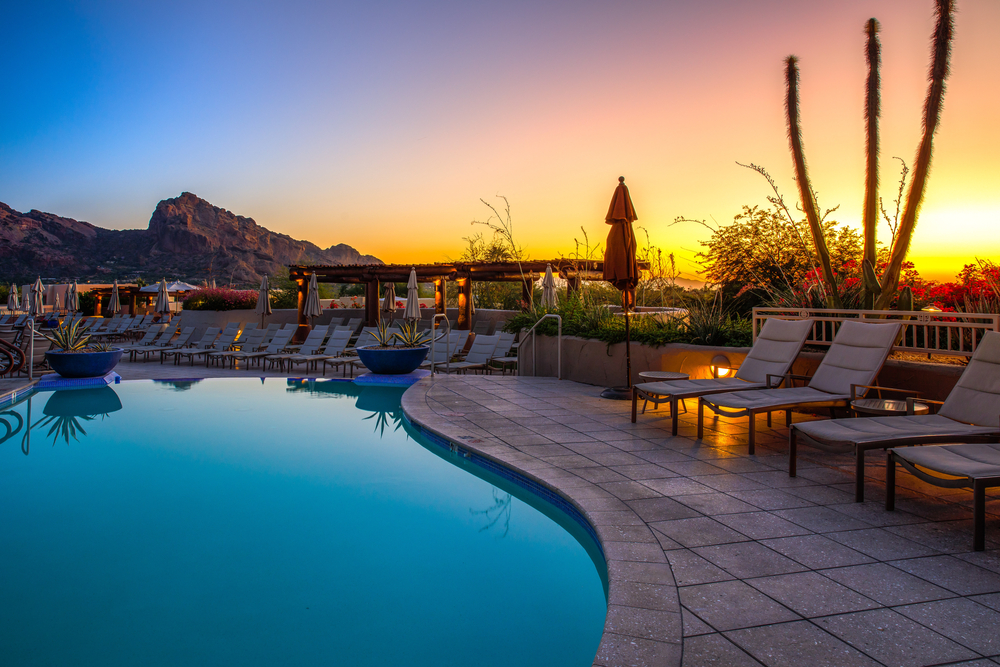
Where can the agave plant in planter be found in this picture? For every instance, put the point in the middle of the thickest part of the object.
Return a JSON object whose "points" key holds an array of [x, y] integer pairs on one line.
{"points": [[73, 356], [387, 358]]}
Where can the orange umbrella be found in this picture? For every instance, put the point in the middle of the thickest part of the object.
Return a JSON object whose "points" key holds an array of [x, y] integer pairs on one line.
{"points": [[622, 270]]}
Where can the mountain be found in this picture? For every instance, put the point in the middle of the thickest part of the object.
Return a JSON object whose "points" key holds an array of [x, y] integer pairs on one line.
{"points": [[187, 239]]}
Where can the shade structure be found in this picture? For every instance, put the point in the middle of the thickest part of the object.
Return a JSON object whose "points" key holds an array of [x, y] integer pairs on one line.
{"points": [[389, 300], [312, 307], [73, 298], [162, 297], [549, 298], [35, 301], [412, 310], [263, 300], [622, 270], [114, 305], [175, 286], [13, 302]]}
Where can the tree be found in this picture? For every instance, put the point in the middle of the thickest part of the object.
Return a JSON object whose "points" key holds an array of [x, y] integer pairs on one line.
{"points": [[872, 109]]}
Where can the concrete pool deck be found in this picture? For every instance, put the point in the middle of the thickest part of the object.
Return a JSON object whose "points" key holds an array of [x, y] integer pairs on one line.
{"points": [[719, 558]]}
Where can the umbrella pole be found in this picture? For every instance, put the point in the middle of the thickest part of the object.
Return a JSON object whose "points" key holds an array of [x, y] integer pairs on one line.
{"points": [[628, 345]]}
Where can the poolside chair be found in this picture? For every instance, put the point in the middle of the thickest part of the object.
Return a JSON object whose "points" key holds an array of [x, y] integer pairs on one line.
{"points": [[442, 351], [364, 338], [277, 344], [971, 466], [481, 327], [206, 343], [777, 346], [971, 413], [502, 355], [309, 346], [479, 355], [354, 323], [332, 353], [223, 342], [256, 339], [164, 343], [152, 334], [335, 322], [854, 359]]}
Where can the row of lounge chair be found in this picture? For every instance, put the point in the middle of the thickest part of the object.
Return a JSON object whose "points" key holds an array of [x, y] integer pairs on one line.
{"points": [[970, 415]]}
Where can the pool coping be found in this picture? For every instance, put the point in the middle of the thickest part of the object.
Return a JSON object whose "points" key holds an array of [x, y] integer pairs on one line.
{"points": [[643, 623]]}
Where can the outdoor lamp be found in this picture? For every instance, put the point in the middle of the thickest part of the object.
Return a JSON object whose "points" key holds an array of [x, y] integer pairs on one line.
{"points": [[931, 309], [720, 366]]}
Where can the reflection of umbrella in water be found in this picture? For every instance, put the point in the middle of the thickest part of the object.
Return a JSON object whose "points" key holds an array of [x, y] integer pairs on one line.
{"points": [[178, 385], [65, 408], [622, 271]]}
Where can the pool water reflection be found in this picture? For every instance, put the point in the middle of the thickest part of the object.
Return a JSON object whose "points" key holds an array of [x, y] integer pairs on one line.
{"points": [[284, 522]]}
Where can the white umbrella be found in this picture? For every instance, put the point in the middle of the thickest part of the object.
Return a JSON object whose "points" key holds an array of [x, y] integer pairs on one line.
{"points": [[13, 303], [312, 307], [412, 310], [73, 298], [114, 305], [35, 302], [549, 299], [213, 283], [162, 298], [263, 301], [56, 306], [389, 300]]}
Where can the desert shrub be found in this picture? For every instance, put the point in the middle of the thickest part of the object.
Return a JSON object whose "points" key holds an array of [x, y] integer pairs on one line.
{"points": [[220, 298]]}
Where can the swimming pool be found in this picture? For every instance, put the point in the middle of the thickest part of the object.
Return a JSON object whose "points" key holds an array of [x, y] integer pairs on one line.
{"points": [[273, 522]]}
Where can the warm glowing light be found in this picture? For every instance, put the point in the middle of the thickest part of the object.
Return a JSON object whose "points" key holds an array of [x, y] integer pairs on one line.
{"points": [[721, 367]]}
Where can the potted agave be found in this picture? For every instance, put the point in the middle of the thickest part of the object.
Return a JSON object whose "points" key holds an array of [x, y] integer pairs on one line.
{"points": [[395, 353], [73, 356]]}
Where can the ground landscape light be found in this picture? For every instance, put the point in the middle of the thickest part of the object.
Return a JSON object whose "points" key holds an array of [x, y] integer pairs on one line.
{"points": [[720, 366]]}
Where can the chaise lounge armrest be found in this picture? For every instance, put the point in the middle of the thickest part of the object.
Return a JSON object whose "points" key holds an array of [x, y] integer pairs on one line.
{"points": [[911, 400], [787, 377], [908, 392]]}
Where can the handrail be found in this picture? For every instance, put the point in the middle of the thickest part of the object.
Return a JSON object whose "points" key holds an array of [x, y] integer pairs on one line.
{"points": [[447, 342], [534, 336], [31, 348]]}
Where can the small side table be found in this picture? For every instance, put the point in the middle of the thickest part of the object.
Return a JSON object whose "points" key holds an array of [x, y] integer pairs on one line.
{"points": [[884, 407], [662, 376]]}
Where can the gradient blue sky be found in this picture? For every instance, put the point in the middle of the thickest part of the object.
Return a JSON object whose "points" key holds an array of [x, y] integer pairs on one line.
{"points": [[381, 125]]}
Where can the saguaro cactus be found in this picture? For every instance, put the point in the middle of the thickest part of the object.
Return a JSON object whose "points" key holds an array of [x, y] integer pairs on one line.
{"points": [[872, 110], [932, 115], [802, 177]]}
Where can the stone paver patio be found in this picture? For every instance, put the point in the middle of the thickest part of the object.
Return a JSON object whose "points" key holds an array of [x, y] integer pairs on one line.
{"points": [[720, 558]]}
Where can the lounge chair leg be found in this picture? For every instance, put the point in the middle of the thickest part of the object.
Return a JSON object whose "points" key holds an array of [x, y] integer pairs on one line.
{"points": [[769, 419], [859, 475], [792, 452], [701, 419], [753, 432], [635, 403], [978, 515], [673, 416], [890, 481], [788, 417]]}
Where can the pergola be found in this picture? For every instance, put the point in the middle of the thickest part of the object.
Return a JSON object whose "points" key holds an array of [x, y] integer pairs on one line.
{"points": [[463, 273]]}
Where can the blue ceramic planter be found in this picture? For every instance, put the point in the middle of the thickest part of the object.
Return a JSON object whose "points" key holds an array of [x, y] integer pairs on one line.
{"points": [[83, 364], [392, 361]]}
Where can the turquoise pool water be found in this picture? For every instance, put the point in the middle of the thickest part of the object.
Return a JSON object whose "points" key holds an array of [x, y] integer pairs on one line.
{"points": [[244, 522]]}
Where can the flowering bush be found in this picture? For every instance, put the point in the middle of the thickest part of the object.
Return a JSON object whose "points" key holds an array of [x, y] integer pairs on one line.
{"points": [[220, 298]]}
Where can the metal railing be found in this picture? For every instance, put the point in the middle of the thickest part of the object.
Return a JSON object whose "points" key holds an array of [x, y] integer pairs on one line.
{"points": [[930, 332], [447, 342], [534, 356]]}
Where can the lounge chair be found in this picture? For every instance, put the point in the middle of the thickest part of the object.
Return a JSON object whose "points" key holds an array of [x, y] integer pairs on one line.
{"points": [[206, 343], [771, 358], [309, 346], [277, 344], [481, 327], [332, 353], [165, 343], [223, 342], [256, 339], [970, 414], [479, 355], [854, 359], [973, 466], [152, 334], [354, 323]]}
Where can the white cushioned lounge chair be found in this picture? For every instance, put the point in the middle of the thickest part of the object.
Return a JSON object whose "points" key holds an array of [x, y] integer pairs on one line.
{"points": [[970, 414], [854, 359], [770, 359]]}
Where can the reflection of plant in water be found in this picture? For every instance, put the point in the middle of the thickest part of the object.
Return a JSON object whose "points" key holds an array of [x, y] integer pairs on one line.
{"points": [[66, 427], [385, 418], [499, 511]]}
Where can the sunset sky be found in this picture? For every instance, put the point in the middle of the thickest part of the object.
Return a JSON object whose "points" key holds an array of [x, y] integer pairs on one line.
{"points": [[382, 124]]}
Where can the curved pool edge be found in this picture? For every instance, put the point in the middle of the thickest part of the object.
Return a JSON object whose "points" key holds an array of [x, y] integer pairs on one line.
{"points": [[643, 623]]}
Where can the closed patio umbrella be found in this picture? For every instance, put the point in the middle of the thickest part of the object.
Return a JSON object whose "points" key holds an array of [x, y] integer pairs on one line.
{"points": [[549, 298], [73, 298], [263, 301], [389, 300], [312, 307], [622, 270], [37, 301], [114, 304], [56, 305], [162, 298], [412, 310], [13, 302]]}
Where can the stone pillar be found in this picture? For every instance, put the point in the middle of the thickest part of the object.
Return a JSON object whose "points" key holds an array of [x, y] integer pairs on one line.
{"points": [[97, 305], [464, 304], [440, 296], [131, 303], [371, 303], [303, 329]]}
